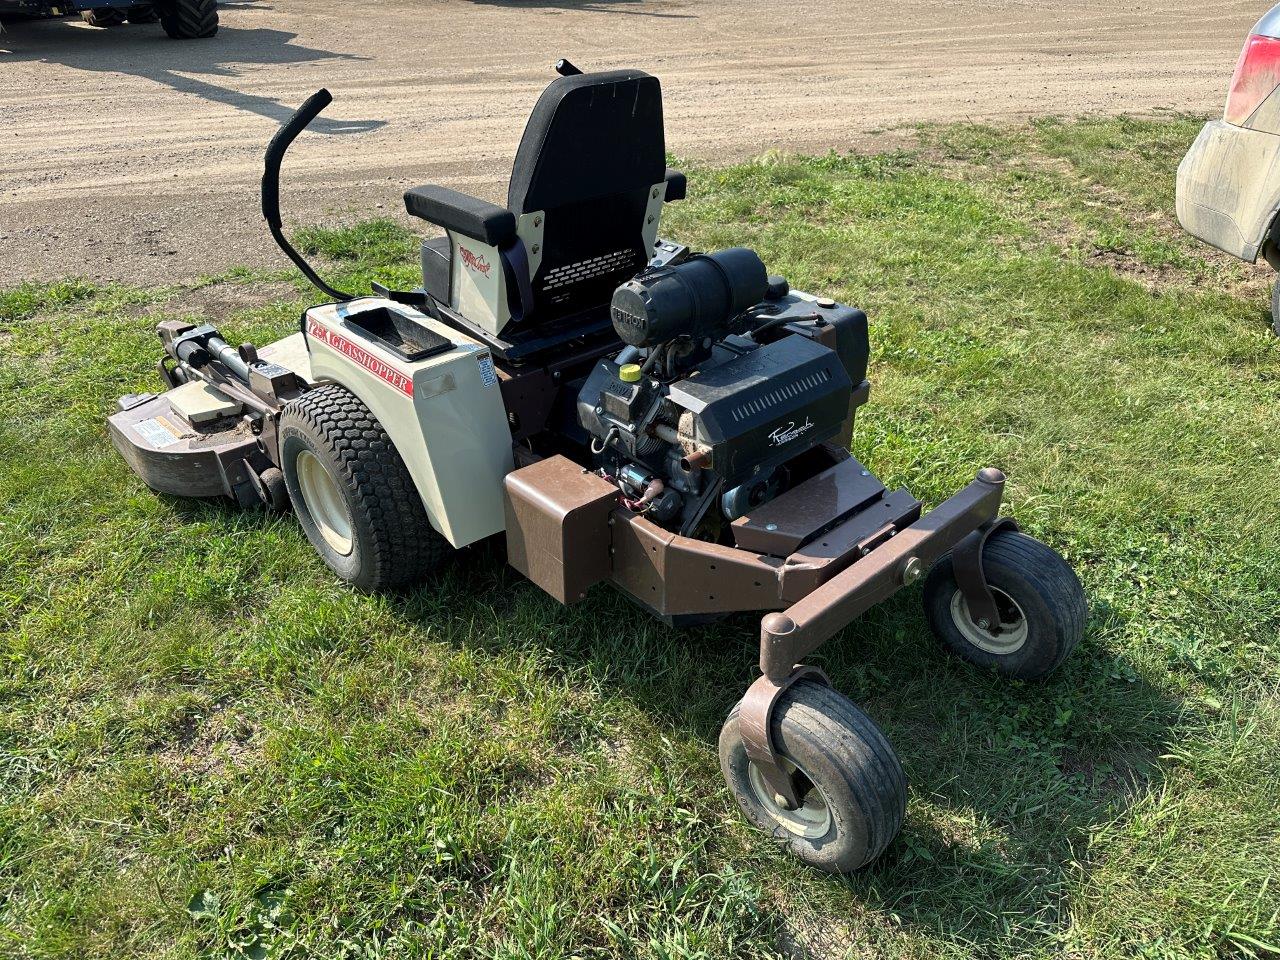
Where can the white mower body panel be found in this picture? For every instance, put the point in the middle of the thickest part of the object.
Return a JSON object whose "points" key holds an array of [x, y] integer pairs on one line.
{"points": [[291, 352], [478, 284], [444, 413]]}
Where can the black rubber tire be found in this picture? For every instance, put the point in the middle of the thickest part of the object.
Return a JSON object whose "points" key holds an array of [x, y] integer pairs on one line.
{"points": [[103, 17], [271, 489], [1275, 308], [189, 19], [846, 758], [1042, 584], [143, 15], [394, 544]]}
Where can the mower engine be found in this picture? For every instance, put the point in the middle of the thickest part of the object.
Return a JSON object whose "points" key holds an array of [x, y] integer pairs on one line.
{"points": [[727, 378]]}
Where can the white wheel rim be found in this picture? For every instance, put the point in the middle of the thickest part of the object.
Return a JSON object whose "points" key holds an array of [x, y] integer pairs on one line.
{"points": [[1013, 624], [811, 819], [324, 502]]}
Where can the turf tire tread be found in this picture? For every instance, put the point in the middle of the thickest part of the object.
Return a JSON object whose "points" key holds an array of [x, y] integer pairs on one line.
{"points": [[1008, 557], [403, 544]]}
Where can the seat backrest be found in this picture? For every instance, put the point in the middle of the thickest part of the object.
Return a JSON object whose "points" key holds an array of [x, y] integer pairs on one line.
{"points": [[592, 162]]}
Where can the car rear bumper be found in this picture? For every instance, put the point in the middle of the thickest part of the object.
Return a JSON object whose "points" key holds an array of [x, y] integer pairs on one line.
{"points": [[1228, 188]]}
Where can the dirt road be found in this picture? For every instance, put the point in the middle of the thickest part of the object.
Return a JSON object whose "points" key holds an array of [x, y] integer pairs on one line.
{"points": [[128, 156]]}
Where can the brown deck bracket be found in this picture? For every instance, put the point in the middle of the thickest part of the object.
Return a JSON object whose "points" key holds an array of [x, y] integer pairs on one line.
{"points": [[755, 719], [966, 563]]}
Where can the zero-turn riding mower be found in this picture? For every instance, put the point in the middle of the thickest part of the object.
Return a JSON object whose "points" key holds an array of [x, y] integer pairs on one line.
{"points": [[621, 409]]}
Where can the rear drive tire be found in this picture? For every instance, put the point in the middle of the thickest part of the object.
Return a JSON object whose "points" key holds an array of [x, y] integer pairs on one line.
{"points": [[853, 789], [103, 17], [353, 494], [189, 19], [1042, 608]]}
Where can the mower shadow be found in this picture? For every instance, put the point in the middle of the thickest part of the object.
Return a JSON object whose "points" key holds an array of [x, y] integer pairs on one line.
{"points": [[144, 51], [1008, 780]]}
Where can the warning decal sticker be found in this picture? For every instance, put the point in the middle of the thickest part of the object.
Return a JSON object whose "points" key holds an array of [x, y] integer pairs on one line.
{"points": [[487, 373], [379, 368], [156, 432]]}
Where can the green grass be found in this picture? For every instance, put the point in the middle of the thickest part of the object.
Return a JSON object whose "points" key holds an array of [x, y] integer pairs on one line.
{"points": [[208, 748]]}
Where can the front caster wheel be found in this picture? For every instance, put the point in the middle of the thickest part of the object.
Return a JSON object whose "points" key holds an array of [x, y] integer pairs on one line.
{"points": [[853, 788], [1042, 608]]}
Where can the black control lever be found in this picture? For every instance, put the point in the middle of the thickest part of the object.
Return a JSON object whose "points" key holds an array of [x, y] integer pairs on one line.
{"points": [[566, 69], [271, 185]]}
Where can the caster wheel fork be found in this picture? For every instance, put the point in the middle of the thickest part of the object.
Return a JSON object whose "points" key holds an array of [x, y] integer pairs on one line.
{"points": [[1006, 601]]}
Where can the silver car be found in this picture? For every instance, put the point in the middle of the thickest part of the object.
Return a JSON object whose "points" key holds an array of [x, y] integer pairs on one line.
{"points": [[1228, 189]]}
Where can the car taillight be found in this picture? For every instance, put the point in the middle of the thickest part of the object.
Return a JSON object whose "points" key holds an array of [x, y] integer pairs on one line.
{"points": [[1257, 74]]}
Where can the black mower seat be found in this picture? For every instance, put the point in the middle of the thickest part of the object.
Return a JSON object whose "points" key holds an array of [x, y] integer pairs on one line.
{"points": [[437, 253], [591, 155]]}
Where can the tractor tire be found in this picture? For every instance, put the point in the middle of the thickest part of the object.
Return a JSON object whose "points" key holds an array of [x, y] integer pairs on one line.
{"points": [[103, 17], [353, 494], [143, 15], [189, 19]]}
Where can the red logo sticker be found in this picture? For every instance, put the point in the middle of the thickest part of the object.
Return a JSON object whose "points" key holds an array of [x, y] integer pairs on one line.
{"points": [[379, 368], [478, 264]]}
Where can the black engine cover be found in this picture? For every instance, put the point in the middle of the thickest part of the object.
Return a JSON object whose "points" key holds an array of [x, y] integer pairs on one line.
{"points": [[765, 407]]}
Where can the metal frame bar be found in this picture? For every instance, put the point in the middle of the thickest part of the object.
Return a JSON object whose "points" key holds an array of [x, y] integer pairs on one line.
{"points": [[787, 637], [899, 559]]}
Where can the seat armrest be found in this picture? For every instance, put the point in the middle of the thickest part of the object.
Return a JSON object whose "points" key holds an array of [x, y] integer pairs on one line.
{"points": [[677, 184], [460, 213]]}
